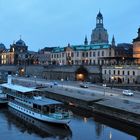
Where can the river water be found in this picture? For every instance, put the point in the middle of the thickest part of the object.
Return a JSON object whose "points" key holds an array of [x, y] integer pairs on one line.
{"points": [[17, 126]]}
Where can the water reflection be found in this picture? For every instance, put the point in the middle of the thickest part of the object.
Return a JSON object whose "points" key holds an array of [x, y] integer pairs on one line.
{"points": [[101, 122], [30, 125]]}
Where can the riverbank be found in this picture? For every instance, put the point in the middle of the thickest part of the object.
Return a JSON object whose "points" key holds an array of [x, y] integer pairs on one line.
{"points": [[125, 109]]}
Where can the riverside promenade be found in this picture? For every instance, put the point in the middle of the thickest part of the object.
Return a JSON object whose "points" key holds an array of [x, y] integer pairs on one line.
{"points": [[96, 99]]}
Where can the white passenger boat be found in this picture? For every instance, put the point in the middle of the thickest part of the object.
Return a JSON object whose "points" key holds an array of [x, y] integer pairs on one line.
{"points": [[24, 100]]}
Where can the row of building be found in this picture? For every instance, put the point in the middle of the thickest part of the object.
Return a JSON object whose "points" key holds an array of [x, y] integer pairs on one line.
{"points": [[119, 63]]}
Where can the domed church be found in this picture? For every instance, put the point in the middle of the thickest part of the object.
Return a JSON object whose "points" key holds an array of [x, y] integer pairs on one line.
{"points": [[19, 47], [99, 34]]}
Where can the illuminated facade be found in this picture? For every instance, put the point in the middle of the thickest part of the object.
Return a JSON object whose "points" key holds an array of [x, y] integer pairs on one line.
{"points": [[121, 74], [136, 48], [91, 54], [7, 57]]}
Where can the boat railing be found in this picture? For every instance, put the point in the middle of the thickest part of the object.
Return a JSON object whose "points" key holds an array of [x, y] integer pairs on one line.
{"points": [[62, 113], [26, 106]]}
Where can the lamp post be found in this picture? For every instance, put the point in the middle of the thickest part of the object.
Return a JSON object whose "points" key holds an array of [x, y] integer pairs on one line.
{"points": [[112, 80], [104, 85], [62, 82], [35, 79]]}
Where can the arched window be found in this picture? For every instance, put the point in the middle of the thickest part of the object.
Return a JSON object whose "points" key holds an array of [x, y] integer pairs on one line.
{"points": [[118, 72], [128, 73]]}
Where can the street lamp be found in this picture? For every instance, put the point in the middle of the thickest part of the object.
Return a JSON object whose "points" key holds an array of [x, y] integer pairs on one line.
{"points": [[104, 85], [112, 80], [35, 79], [62, 81]]}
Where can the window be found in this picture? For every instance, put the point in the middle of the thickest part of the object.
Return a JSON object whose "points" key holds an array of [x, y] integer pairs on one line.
{"points": [[86, 54], [72, 54], [77, 54], [102, 62], [98, 53], [94, 54], [98, 62], [109, 53], [114, 72], [90, 54], [118, 72], [133, 72], [83, 54], [102, 53], [128, 73], [90, 61], [62, 54], [123, 72], [105, 72]]}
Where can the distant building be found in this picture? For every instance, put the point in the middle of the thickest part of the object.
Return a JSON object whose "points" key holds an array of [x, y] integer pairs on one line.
{"points": [[7, 57], [2, 47], [136, 48], [99, 34], [87, 54], [91, 54], [20, 50], [121, 74], [44, 56]]}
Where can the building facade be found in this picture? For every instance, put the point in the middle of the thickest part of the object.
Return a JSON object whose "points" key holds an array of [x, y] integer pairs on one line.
{"points": [[121, 74], [87, 54], [91, 54], [126, 70], [136, 48]]}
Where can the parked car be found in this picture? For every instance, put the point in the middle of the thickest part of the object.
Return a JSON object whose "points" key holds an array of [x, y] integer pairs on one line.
{"points": [[55, 83], [84, 85], [128, 92]]}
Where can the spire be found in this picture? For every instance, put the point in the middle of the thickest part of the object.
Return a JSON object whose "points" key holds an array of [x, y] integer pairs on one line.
{"points": [[68, 44], [113, 41], [99, 20], [20, 37], [86, 41]]}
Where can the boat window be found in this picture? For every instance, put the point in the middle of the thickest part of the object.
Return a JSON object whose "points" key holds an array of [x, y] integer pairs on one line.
{"points": [[52, 110]]}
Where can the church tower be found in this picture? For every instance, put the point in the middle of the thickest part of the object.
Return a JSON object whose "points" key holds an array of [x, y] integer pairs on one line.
{"points": [[113, 41], [99, 34], [86, 41]]}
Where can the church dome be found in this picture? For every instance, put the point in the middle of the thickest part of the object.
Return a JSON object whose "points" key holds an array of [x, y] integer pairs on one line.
{"points": [[20, 42], [2, 46]]}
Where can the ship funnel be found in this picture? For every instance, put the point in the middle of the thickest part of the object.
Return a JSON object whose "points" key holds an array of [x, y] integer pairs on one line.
{"points": [[9, 79]]}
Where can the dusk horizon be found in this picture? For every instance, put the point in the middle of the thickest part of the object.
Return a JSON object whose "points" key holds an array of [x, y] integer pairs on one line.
{"points": [[49, 24]]}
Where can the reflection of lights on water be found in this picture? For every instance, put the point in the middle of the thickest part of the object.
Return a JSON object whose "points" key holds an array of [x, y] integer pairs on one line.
{"points": [[85, 119], [110, 135]]}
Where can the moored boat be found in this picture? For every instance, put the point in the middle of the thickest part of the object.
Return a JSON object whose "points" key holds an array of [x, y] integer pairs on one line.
{"points": [[25, 100]]}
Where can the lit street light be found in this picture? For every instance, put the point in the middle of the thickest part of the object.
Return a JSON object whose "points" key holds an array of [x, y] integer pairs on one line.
{"points": [[35, 79], [104, 85], [112, 80]]}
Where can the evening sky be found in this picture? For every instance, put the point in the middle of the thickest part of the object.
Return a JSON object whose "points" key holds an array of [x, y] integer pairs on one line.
{"points": [[52, 23]]}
